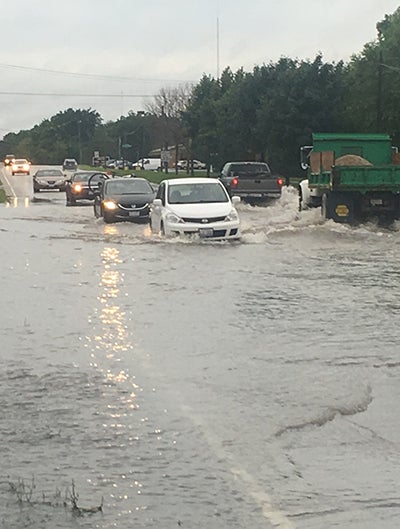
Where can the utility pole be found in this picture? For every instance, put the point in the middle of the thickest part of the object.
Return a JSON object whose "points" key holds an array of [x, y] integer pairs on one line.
{"points": [[379, 95]]}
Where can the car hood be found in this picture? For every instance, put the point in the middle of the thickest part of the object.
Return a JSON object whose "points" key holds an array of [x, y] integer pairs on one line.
{"points": [[208, 209], [49, 177], [131, 198]]}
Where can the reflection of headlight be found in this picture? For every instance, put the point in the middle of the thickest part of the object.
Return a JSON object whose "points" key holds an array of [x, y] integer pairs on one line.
{"points": [[77, 188], [171, 217], [109, 204], [233, 215]]}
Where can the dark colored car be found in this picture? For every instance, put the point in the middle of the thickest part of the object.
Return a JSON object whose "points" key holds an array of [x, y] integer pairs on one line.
{"points": [[77, 187], [70, 164], [48, 179], [251, 180], [124, 199], [9, 159]]}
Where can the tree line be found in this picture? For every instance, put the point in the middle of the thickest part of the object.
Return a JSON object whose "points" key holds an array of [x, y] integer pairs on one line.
{"points": [[265, 114]]}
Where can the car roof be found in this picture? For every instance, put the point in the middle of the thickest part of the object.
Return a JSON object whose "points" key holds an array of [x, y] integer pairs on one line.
{"points": [[193, 180]]}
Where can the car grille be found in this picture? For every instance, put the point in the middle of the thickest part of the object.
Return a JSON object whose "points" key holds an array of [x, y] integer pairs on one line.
{"points": [[204, 220], [132, 207]]}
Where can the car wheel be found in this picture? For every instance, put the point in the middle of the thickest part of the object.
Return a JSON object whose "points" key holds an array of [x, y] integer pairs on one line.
{"points": [[13, 174], [162, 229], [109, 219], [70, 202]]}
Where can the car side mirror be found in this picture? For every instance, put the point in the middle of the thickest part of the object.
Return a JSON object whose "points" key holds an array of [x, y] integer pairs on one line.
{"points": [[235, 200], [157, 202]]}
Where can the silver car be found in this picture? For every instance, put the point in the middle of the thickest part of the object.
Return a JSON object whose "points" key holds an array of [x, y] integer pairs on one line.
{"points": [[48, 179]]}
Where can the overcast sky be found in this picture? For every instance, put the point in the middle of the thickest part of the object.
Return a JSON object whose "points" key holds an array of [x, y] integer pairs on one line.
{"points": [[99, 53]]}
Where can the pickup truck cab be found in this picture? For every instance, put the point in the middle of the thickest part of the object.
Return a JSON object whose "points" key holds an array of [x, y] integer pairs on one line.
{"points": [[250, 180]]}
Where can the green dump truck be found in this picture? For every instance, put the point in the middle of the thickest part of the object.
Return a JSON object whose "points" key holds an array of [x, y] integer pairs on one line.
{"points": [[352, 177]]}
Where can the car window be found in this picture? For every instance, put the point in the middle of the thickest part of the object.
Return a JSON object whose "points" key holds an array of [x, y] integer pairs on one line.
{"points": [[49, 172], [161, 193], [84, 177], [128, 186], [195, 193], [249, 169]]}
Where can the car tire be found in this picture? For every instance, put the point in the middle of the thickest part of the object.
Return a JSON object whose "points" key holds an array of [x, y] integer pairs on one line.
{"points": [[162, 229], [108, 219], [70, 202]]}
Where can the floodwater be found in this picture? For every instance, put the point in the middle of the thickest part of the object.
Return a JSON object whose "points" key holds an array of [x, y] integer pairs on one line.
{"points": [[193, 384]]}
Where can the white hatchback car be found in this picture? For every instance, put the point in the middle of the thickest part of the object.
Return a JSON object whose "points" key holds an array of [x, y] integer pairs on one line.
{"points": [[197, 206]]}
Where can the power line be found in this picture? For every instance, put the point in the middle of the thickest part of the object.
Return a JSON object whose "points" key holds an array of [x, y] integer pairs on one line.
{"points": [[47, 94], [92, 75]]}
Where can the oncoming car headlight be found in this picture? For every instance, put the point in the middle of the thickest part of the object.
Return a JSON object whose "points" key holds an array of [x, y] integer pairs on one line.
{"points": [[109, 204], [233, 215], [77, 188], [174, 219]]}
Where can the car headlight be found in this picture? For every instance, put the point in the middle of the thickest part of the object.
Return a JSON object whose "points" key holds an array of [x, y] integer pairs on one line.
{"points": [[233, 215], [77, 188], [109, 204], [174, 219]]}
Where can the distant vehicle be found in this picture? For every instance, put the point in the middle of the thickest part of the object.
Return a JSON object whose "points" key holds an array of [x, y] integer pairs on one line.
{"points": [[197, 164], [121, 164], [77, 187], [48, 179], [70, 164], [195, 206], [20, 165], [251, 180], [148, 164], [9, 159], [123, 199]]}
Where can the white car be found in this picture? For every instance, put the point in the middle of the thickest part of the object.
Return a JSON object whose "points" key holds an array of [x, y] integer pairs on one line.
{"points": [[20, 165], [195, 206], [148, 164], [197, 164]]}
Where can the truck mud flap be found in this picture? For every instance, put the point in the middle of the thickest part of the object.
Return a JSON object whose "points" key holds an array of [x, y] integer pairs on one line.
{"points": [[339, 207]]}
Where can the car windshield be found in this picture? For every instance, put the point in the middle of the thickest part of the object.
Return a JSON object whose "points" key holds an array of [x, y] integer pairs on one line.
{"points": [[84, 177], [195, 193], [20, 161], [249, 169], [49, 172], [129, 186]]}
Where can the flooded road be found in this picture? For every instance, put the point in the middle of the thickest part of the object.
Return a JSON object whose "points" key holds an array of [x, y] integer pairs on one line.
{"points": [[193, 384]]}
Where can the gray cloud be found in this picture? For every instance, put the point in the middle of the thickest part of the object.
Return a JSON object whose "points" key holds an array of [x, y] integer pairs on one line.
{"points": [[157, 44]]}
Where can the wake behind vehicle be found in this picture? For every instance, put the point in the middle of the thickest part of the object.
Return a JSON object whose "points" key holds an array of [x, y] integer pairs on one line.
{"points": [[251, 180], [50, 179], [77, 187], [20, 165], [195, 206], [121, 199]]}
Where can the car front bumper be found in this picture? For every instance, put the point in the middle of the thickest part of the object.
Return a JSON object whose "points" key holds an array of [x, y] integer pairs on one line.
{"points": [[212, 231]]}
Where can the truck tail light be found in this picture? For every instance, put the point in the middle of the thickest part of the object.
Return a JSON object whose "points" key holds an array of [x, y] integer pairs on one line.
{"points": [[280, 181], [234, 182]]}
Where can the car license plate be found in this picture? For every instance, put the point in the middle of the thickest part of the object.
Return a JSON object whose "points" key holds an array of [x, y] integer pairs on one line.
{"points": [[134, 213], [206, 232], [376, 202]]}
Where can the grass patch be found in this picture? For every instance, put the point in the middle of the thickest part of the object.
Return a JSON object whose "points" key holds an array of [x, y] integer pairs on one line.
{"points": [[3, 196], [153, 176]]}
